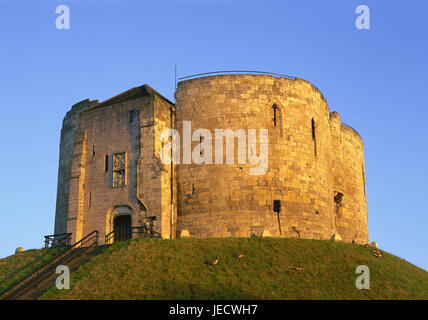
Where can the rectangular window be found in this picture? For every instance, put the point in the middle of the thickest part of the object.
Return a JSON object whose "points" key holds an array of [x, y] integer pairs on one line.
{"points": [[119, 168], [274, 108], [132, 116], [106, 163], [314, 137], [277, 206]]}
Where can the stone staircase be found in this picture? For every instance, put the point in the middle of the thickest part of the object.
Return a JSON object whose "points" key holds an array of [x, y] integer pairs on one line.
{"points": [[83, 255], [44, 277]]}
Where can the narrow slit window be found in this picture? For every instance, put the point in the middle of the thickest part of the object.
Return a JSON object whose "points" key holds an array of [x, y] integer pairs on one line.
{"points": [[277, 210], [93, 150], [277, 206], [90, 199], [275, 115], [131, 116], [106, 163], [314, 138], [364, 179]]}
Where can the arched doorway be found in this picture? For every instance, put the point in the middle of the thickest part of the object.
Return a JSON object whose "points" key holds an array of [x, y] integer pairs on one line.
{"points": [[122, 228]]}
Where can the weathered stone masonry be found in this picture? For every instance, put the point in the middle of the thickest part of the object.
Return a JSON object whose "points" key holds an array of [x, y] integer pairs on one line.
{"points": [[314, 186]]}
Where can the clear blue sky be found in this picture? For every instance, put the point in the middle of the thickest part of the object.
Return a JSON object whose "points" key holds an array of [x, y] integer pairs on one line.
{"points": [[376, 79]]}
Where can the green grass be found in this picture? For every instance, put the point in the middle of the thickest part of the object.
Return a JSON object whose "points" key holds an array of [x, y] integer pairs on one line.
{"points": [[15, 267], [177, 269]]}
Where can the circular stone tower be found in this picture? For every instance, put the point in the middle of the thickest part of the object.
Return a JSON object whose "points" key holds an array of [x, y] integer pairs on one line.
{"points": [[310, 183]]}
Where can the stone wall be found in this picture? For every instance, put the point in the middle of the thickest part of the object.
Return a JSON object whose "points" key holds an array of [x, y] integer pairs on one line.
{"points": [[105, 130], [352, 219], [315, 174], [154, 182], [70, 125], [225, 200]]}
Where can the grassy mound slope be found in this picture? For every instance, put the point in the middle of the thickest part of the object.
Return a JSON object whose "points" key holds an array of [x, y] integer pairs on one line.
{"points": [[15, 267], [177, 269]]}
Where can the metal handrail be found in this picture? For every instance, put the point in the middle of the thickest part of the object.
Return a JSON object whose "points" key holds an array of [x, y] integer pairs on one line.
{"points": [[347, 125], [58, 240], [142, 232], [235, 72], [47, 266], [108, 237]]}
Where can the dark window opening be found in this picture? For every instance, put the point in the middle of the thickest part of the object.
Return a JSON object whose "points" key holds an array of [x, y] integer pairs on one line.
{"points": [[119, 169], [277, 206], [314, 137], [106, 163], [93, 150], [90, 200], [338, 202], [338, 198], [275, 108], [277, 210], [200, 145], [131, 116]]}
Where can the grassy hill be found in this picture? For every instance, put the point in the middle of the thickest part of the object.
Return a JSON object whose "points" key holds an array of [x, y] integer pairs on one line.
{"points": [[14, 267], [177, 269]]}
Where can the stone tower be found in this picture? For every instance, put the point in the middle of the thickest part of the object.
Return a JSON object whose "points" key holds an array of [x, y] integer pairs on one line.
{"points": [[111, 166]]}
